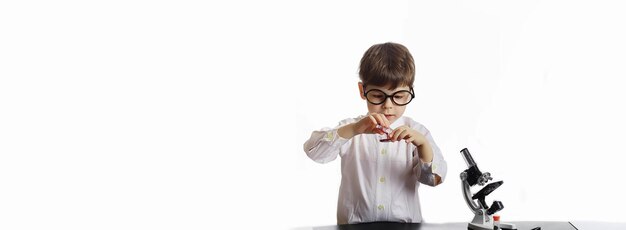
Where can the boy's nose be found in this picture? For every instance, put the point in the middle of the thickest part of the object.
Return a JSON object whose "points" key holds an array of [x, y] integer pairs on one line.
{"points": [[388, 103]]}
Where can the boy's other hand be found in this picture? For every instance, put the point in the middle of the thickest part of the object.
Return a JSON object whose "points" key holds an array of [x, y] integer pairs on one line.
{"points": [[416, 138], [409, 135]]}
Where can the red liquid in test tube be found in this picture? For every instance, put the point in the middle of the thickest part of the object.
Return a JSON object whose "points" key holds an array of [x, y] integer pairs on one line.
{"points": [[387, 131]]}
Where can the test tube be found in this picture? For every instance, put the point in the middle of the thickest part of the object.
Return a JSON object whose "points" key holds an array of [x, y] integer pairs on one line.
{"points": [[386, 130]]}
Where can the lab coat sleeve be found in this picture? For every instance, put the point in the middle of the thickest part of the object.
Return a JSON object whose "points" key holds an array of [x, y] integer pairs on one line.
{"points": [[426, 171], [324, 145]]}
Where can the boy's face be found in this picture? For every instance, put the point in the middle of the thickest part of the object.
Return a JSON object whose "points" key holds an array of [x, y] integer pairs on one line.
{"points": [[377, 94]]}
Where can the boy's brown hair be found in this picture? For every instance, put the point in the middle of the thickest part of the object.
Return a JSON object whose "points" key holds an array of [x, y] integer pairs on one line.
{"points": [[387, 63]]}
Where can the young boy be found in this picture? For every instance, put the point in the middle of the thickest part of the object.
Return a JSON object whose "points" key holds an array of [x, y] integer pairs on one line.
{"points": [[383, 154]]}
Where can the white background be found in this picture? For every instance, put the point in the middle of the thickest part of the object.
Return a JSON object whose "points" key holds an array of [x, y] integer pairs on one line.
{"points": [[192, 115]]}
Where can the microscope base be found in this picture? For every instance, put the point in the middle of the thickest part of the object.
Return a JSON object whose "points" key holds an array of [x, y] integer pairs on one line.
{"points": [[481, 221], [472, 226]]}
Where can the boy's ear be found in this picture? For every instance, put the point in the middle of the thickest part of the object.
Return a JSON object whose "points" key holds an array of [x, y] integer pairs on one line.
{"points": [[361, 90]]}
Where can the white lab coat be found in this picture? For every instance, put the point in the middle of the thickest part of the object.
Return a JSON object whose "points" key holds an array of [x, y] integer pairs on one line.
{"points": [[379, 180]]}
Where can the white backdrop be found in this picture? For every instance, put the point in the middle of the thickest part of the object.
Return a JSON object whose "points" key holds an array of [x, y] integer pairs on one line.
{"points": [[187, 114]]}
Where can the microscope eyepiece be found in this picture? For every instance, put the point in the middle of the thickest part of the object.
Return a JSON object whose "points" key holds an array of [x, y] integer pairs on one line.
{"points": [[468, 158]]}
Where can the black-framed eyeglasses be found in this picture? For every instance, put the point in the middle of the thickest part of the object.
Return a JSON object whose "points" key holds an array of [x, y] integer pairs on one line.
{"points": [[401, 98]]}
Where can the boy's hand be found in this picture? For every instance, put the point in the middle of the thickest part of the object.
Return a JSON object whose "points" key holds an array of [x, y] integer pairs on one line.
{"points": [[365, 125], [368, 124], [409, 135]]}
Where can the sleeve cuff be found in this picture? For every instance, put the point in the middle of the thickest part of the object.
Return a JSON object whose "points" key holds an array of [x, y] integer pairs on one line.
{"points": [[431, 169], [426, 167]]}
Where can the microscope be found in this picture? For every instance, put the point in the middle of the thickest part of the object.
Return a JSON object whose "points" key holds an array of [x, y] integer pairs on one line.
{"points": [[483, 214]]}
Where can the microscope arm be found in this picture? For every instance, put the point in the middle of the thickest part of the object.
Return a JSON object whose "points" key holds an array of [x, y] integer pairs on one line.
{"points": [[468, 195]]}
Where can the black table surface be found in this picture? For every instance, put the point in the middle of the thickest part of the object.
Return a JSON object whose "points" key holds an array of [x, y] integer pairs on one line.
{"points": [[520, 225]]}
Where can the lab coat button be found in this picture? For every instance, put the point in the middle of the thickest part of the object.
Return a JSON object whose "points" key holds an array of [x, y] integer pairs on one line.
{"points": [[381, 207], [382, 179]]}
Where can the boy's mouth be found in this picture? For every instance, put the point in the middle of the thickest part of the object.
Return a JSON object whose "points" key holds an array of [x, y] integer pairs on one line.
{"points": [[388, 116]]}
